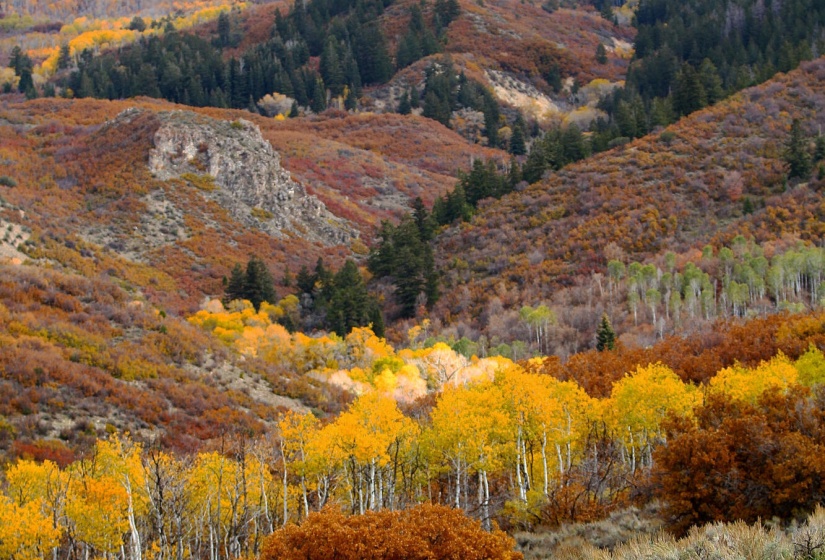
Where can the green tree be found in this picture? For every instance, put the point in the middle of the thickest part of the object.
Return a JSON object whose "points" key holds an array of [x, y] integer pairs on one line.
{"points": [[137, 24], [258, 285], [711, 82], [350, 305], [235, 288], [689, 94], [605, 335], [796, 155], [601, 54], [305, 281], [517, 144], [404, 107], [224, 30], [64, 59]]}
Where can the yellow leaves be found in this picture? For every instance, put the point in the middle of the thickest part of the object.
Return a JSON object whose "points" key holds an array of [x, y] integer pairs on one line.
{"points": [[104, 491], [364, 347], [97, 34], [97, 509], [25, 533], [640, 401], [748, 384], [470, 424], [38, 483], [811, 367], [371, 425]]}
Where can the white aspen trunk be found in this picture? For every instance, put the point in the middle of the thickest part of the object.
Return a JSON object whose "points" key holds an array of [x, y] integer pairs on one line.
{"points": [[458, 485], [527, 482], [561, 459], [380, 488], [135, 535], [372, 485], [286, 493], [361, 491], [267, 516], [544, 461], [306, 500]]}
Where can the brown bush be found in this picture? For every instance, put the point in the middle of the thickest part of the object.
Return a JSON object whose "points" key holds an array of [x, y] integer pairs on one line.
{"points": [[424, 532]]}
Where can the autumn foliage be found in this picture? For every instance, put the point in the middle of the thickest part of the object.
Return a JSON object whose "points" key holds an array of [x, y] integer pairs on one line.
{"points": [[425, 532], [744, 460]]}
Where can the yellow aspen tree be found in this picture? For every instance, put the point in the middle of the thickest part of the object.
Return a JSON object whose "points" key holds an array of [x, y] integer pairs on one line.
{"points": [[470, 429], [42, 484], [373, 433], [120, 459], [295, 430], [748, 384], [25, 533], [640, 401], [811, 367]]}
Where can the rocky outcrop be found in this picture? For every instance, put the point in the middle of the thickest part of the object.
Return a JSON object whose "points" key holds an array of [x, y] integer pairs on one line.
{"points": [[236, 167]]}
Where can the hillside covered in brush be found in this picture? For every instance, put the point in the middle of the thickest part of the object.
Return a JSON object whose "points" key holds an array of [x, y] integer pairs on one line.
{"points": [[393, 278], [84, 190], [718, 174]]}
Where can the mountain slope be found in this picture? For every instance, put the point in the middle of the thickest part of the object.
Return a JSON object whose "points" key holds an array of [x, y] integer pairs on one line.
{"points": [[676, 190], [89, 198]]}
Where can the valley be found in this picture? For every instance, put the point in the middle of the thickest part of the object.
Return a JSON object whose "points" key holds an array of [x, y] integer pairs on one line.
{"points": [[339, 271]]}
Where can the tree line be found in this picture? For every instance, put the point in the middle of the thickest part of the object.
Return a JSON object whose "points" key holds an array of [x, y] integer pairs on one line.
{"points": [[334, 301], [689, 55], [509, 443], [343, 34]]}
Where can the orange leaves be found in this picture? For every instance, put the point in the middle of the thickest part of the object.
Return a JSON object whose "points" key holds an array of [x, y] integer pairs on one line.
{"points": [[25, 533], [743, 461], [425, 532]]}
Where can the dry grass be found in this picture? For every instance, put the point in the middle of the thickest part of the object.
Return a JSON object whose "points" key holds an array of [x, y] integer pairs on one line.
{"points": [[719, 541]]}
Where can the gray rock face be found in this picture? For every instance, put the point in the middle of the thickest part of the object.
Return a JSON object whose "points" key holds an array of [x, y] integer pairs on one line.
{"points": [[248, 178]]}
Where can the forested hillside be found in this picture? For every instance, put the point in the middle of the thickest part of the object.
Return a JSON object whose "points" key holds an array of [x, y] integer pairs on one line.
{"points": [[412, 279], [721, 173]]}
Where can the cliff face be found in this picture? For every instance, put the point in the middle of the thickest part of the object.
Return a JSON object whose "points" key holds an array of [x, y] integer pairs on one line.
{"points": [[248, 178]]}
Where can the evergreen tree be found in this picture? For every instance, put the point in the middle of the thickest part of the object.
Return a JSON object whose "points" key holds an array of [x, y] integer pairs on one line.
{"points": [[64, 59], [349, 304], [447, 11], [258, 285], [819, 149], [517, 144], [711, 82], [796, 155], [137, 24], [605, 335], [350, 101], [26, 84], [235, 288], [404, 107], [305, 281], [331, 70], [224, 30], [601, 54], [426, 229], [319, 98], [407, 259], [491, 118], [689, 94]]}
